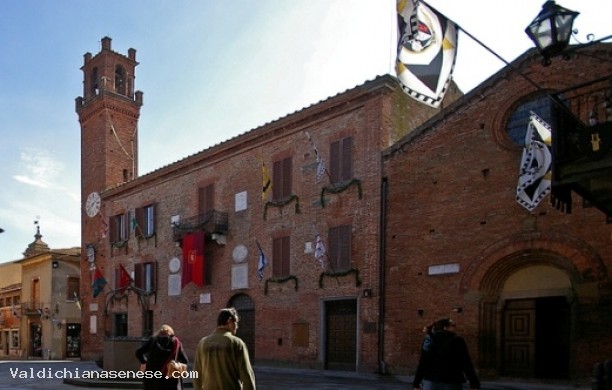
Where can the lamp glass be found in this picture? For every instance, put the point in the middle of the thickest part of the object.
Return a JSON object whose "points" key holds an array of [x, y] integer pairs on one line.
{"points": [[552, 28]]}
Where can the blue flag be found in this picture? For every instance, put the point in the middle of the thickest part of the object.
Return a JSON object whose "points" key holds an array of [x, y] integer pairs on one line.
{"points": [[263, 262]]}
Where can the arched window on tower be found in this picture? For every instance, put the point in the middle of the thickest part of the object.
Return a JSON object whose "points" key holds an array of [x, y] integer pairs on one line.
{"points": [[120, 81], [94, 82]]}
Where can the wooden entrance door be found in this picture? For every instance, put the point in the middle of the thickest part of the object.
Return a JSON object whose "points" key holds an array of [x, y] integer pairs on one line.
{"points": [[536, 338], [519, 338], [341, 335], [246, 328]]}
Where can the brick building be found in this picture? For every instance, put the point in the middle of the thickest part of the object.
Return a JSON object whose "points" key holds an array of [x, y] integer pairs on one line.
{"points": [[418, 217], [530, 291], [183, 241]]}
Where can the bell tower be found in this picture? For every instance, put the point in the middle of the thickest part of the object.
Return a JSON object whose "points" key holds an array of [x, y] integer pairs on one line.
{"points": [[108, 114]]}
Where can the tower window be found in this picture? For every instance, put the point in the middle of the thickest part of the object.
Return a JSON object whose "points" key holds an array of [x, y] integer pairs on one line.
{"points": [[120, 84], [95, 79]]}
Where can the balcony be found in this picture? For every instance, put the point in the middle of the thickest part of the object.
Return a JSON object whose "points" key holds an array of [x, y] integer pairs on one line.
{"points": [[35, 308], [582, 139], [211, 222]]}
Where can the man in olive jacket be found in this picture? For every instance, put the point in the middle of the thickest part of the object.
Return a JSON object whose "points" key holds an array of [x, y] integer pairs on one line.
{"points": [[222, 359]]}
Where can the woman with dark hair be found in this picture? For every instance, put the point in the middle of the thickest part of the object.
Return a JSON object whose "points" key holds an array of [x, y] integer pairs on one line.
{"points": [[445, 361], [155, 354]]}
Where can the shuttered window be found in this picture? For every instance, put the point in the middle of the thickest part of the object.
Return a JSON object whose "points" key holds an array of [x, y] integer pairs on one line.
{"points": [[206, 199], [281, 256], [145, 221], [118, 228], [341, 160], [145, 276], [281, 181], [340, 247]]}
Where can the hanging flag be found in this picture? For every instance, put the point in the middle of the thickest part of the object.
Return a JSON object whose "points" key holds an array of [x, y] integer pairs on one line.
{"points": [[320, 163], [124, 278], [98, 283], [266, 182], [535, 171], [193, 259], [320, 251], [77, 301], [263, 262], [103, 226], [426, 51]]}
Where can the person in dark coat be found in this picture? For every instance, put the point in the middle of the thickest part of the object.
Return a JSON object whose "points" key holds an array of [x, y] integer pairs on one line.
{"points": [[155, 354], [445, 361]]}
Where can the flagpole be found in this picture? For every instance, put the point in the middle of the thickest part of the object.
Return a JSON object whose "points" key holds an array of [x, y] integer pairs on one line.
{"points": [[554, 99], [393, 37], [487, 48]]}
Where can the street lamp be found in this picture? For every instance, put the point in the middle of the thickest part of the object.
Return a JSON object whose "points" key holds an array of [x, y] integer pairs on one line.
{"points": [[551, 29]]}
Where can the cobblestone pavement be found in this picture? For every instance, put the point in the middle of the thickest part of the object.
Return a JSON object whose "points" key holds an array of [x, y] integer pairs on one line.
{"points": [[32, 374]]}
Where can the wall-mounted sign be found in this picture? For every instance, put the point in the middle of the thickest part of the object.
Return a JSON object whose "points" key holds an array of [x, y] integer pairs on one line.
{"points": [[443, 269]]}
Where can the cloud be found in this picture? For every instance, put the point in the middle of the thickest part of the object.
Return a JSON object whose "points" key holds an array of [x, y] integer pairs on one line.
{"points": [[41, 170]]}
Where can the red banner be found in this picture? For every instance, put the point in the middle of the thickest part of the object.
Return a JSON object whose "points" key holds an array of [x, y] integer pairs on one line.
{"points": [[193, 259]]}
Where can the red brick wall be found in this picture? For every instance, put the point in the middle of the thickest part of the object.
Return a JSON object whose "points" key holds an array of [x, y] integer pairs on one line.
{"points": [[452, 200]]}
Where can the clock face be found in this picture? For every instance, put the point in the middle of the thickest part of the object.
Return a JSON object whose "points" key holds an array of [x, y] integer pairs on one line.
{"points": [[92, 205]]}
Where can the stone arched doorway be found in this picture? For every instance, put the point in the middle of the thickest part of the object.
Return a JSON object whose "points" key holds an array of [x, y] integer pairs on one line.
{"points": [[246, 312], [498, 275]]}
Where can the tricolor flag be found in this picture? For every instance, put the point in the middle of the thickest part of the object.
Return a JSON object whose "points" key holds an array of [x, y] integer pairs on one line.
{"points": [[320, 251], [263, 262], [320, 163], [193, 259], [266, 182], [535, 171], [426, 51], [98, 283]]}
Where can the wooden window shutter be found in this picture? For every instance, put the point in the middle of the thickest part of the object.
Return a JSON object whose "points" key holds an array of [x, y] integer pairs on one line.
{"points": [[287, 167], [347, 159], [141, 221], [277, 257], [334, 161], [286, 255], [206, 198], [345, 248]]}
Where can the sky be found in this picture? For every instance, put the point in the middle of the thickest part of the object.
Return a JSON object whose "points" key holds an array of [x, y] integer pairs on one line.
{"points": [[209, 70]]}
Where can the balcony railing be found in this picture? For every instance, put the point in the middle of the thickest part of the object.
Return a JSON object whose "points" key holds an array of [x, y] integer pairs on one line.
{"points": [[212, 222], [582, 139]]}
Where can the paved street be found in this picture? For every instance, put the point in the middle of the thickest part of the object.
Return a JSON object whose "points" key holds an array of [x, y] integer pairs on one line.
{"points": [[29, 374]]}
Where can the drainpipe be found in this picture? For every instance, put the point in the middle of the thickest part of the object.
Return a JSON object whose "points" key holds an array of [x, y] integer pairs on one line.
{"points": [[382, 366]]}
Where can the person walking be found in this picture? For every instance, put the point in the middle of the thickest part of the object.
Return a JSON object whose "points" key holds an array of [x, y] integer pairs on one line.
{"points": [[222, 359], [445, 360], [156, 353]]}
